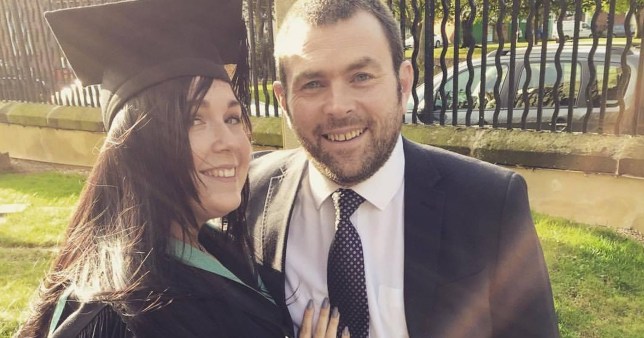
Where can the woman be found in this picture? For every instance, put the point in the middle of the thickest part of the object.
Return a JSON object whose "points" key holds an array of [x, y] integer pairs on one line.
{"points": [[136, 260]]}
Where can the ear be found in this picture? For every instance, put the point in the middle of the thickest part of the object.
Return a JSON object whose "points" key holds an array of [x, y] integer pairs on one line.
{"points": [[406, 78], [280, 94]]}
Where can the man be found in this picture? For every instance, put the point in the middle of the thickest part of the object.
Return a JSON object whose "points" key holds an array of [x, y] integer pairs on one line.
{"points": [[445, 244]]}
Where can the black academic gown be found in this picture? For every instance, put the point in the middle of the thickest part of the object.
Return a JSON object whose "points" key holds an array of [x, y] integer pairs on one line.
{"points": [[197, 304]]}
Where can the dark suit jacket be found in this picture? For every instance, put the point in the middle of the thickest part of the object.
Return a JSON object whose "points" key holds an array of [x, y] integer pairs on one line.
{"points": [[473, 262]]}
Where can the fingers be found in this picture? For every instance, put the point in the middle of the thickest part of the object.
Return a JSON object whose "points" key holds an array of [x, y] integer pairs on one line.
{"points": [[334, 321], [321, 328], [327, 323], [307, 321]]}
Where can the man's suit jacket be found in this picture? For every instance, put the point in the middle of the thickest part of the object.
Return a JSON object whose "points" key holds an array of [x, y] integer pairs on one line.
{"points": [[473, 262]]}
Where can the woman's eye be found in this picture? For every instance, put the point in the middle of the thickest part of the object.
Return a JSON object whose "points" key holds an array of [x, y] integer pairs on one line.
{"points": [[197, 120], [233, 120]]}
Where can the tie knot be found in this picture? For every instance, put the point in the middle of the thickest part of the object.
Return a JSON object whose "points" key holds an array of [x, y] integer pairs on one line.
{"points": [[346, 202]]}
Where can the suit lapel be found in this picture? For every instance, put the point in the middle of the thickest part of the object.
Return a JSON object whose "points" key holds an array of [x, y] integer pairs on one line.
{"points": [[424, 206], [275, 221]]}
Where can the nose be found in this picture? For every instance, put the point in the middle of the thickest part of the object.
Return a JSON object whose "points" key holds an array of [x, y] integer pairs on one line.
{"points": [[340, 100], [222, 139]]}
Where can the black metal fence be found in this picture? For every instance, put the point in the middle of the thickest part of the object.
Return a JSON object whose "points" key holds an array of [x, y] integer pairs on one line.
{"points": [[260, 14], [33, 69], [546, 65]]}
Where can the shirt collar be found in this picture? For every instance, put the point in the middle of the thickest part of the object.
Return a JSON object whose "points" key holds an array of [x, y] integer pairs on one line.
{"points": [[379, 189]]}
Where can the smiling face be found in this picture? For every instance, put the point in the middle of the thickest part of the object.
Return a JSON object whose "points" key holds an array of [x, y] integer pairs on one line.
{"points": [[344, 100], [220, 152]]}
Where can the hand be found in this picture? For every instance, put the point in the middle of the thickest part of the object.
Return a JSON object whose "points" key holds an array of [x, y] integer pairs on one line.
{"points": [[326, 327]]}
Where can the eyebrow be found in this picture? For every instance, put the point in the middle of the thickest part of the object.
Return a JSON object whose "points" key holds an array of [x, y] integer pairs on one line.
{"points": [[306, 76], [231, 104], [362, 63], [359, 64]]}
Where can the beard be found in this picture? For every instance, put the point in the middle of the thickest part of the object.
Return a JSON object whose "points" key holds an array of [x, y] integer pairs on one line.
{"points": [[335, 166]]}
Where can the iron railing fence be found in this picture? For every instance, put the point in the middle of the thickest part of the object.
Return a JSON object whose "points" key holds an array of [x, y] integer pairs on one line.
{"points": [[260, 21], [546, 65], [33, 68]]}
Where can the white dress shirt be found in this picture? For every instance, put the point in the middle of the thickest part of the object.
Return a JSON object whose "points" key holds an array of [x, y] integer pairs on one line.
{"points": [[379, 221]]}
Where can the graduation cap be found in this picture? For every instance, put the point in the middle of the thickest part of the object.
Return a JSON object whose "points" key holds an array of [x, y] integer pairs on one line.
{"points": [[129, 46]]}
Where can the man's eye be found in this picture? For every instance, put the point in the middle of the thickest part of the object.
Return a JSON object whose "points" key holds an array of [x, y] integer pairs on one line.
{"points": [[312, 85], [362, 77]]}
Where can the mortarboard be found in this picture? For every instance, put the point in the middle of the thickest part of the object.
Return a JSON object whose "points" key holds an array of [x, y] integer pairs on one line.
{"points": [[131, 45]]}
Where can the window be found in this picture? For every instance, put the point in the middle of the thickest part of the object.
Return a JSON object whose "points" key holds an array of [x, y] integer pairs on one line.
{"points": [[612, 89], [550, 93], [463, 77]]}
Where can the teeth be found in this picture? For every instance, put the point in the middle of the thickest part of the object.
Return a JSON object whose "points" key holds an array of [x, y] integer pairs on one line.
{"points": [[219, 172], [344, 137]]}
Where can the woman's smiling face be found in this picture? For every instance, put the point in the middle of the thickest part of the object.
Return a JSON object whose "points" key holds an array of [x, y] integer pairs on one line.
{"points": [[220, 151]]}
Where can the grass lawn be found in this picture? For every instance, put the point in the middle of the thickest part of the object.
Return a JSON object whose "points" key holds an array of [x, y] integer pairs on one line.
{"points": [[50, 198], [597, 277], [28, 239], [597, 274], [21, 269]]}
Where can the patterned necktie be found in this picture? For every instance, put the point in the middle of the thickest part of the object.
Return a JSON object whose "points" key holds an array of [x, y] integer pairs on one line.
{"points": [[345, 270]]}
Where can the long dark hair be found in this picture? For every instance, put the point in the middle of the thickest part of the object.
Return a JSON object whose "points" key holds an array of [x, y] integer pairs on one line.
{"points": [[142, 182]]}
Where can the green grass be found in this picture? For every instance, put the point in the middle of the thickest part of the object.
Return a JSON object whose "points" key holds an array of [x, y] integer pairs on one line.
{"points": [[21, 269], [28, 239], [597, 277], [50, 198], [597, 274]]}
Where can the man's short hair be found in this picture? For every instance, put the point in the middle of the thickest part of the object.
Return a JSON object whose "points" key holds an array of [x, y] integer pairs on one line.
{"points": [[327, 12]]}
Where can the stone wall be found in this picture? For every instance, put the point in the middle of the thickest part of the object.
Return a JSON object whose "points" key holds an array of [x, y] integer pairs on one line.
{"points": [[594, 179]]}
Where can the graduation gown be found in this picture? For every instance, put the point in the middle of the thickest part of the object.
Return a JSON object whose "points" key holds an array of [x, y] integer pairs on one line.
{"points": [[204, 300]]}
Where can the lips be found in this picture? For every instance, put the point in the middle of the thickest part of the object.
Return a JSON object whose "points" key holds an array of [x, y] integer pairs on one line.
{"points": [[346, 136], [220, 172]]}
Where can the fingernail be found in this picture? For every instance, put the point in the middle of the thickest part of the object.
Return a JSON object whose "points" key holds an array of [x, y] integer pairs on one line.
{"points": [[325, 303], [335, 313], [345, 332]]}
